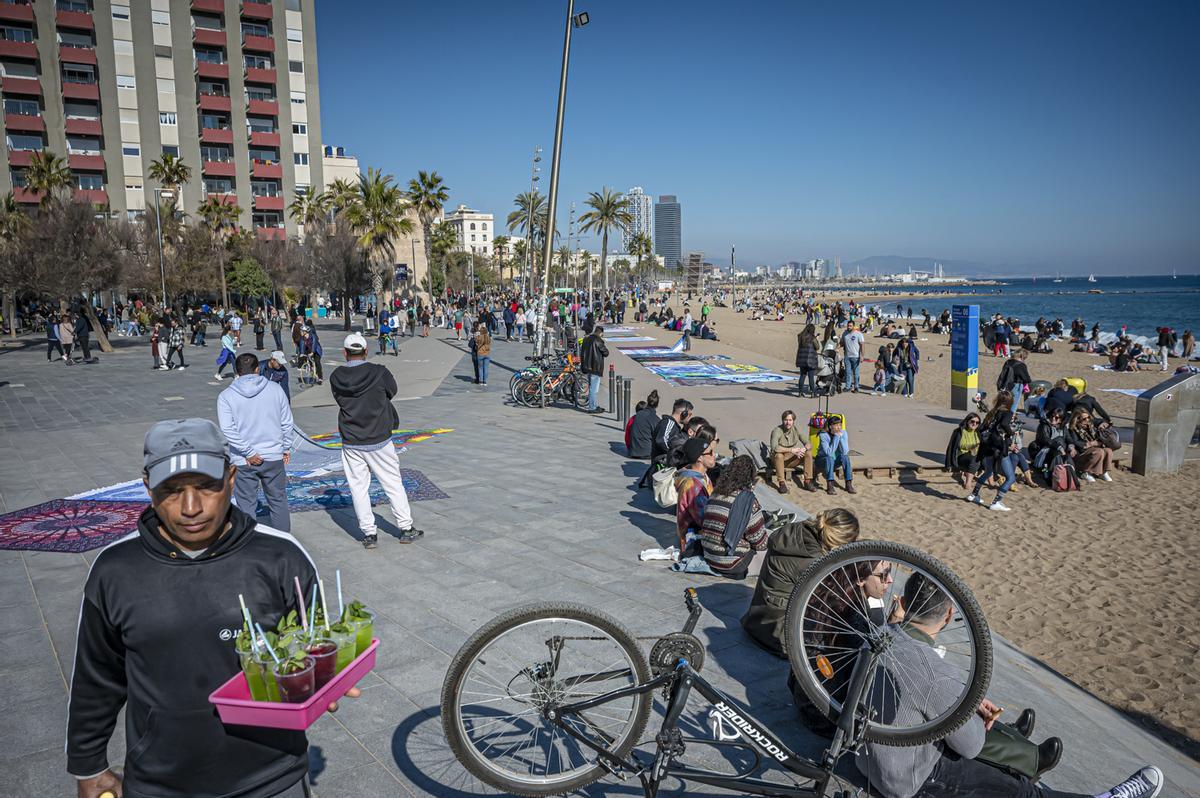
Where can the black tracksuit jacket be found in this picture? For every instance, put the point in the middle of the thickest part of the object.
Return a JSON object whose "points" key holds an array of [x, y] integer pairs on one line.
{"points": [[157, 631]]}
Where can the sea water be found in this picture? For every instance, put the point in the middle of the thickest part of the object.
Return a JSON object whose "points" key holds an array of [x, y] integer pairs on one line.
{"points": [[1143, 304]]}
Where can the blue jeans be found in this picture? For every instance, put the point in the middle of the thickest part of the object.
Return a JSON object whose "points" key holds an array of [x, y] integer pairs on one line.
{"points": [[910, 382], [831, 464], [852, 373], [593, 390], [483, 367], [994, 465]]}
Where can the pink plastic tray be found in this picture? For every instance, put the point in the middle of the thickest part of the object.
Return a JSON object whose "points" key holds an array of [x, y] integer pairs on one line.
{"points": [[235, 706]]}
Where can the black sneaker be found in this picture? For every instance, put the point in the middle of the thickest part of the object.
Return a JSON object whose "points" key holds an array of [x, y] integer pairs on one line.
{"points": [[411, 535], [370, 541]]}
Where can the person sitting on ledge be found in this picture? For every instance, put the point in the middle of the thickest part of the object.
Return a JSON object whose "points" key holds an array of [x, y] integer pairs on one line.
{"points": [[834, 450], [693, 486], [788, 450], [642, 426], [962, 455], [733, 533]]}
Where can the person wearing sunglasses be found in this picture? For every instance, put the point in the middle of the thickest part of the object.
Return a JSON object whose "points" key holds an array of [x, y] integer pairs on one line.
{"points": [[962, 455]]}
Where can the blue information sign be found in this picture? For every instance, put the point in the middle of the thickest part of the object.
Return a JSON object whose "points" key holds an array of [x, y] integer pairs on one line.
{"points": [[964, 355]]}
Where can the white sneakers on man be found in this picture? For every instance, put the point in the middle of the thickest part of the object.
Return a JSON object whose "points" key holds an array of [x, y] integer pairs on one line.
{"points": [[999, 505]]}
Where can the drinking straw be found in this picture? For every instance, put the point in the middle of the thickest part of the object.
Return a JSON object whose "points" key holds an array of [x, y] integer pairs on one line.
{"points": [[339, 588], [312, 614], [324, 603], [270, 650], [249, 623], [300, 597]]}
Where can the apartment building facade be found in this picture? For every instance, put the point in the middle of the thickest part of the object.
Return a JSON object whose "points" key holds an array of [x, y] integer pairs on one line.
{"points": [[229, 87]]}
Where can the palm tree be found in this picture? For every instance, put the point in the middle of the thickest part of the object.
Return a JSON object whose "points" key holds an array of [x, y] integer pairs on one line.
{"points": [[499, 250], [609, 211], [377, 217], [171, 173], [220, 218], [585, 261], [531, 206], [427, 194], [640, 246], [13, 223], [564, 258], [48, 174], [341, 194], [310, 209]]}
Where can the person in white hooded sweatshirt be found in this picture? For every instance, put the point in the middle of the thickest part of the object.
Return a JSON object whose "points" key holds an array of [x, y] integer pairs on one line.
{"points": [[257, 421]]}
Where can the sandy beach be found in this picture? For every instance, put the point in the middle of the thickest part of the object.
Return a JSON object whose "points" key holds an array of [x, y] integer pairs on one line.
{"points": [[1097, 584]]}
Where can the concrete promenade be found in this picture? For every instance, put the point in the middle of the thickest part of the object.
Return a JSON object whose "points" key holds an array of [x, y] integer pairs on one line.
{"points": [[540, 508]]}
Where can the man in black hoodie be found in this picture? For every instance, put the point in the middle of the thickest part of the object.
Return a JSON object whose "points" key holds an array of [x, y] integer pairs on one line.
{"points": [[366, 419], [157, 630]]}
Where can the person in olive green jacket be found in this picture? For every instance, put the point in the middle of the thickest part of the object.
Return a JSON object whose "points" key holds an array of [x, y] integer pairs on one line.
{"points": [[789, 553]]}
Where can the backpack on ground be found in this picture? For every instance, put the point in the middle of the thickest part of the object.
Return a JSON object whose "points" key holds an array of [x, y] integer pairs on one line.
{"points": [[1063, 477], [662, 483]]}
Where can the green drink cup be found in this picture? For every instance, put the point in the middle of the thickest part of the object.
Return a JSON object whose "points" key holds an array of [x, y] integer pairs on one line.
{"points": [[364, 630], [272, 687], [347, 644], [256, 676]]}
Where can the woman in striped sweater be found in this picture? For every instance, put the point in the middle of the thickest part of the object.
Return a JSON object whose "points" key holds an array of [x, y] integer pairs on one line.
{"points": [[734, 532]]}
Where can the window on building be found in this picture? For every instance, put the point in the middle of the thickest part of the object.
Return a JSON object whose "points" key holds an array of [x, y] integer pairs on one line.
{"points": [[132, 185], [122, 47], [19, 69], [472, 236], [120, 11], [302, 159], [128, 116], [134, 214], [160, 17], [260, 93], [73, 5], [484, 225], [208, 21], [72, 38], [9, 33], [162, 51], [20, 178], [171, 149], [260, 124], [265, 188], [300, 129], [123, 81], [267, 219], [472, 225], [168, 118], [295, 35], [216, 152], [255, 29], [81, 109], [82, 73], [166, 86], [210, 55], [296, 67], [22, 107], [214, 122], [297, 100], [131, 149], [256, 61], [302, 189], [89, 182], [264, 154], [83, 145], [24, 142], [218, 185], [292, 5]]}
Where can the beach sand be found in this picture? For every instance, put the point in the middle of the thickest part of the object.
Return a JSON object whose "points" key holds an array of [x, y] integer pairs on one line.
{"points": [[1100, 584]]}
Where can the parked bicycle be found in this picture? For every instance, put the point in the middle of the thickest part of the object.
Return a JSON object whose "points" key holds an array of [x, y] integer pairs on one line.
{"points": [[555, 380], [306, 370], [549, 698]]}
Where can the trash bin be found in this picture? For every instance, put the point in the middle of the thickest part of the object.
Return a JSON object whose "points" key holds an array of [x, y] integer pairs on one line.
{"points": [[1164, 424]]}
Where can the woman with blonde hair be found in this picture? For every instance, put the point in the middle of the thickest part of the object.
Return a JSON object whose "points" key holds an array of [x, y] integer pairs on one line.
{"points": [[790, 551], [1092, 458]]}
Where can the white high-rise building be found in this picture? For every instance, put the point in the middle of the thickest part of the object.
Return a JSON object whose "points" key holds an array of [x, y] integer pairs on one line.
{"points": [[641, 207], [474, 230]]}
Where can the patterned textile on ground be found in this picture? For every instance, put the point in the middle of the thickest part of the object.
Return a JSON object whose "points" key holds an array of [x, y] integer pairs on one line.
{"points": [[333, 492], [66, 525]]}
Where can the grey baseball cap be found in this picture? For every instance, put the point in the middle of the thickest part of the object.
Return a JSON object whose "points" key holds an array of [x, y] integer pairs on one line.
{"points": [[184, 446]]}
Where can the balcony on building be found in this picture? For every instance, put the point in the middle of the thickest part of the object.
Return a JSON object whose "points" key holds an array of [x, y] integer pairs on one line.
{"points": [[257, 10], [263, 107], [86, 163], [17, 48], [16, 11], [27, 196], [215, 102], [270, 233], [206, 69], [262, 139], [267, 170], [26, 86], [80, 91], [216, 135], [258, 75], [70, 54], [24, 123], [219, 168], [257, 43], [20, 157], [76, 20], [81, 126], [210, 6], [209, 36], [264, 203], [94, 196]]}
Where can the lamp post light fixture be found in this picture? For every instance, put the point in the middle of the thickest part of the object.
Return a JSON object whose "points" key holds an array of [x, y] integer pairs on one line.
{"points": [[527, 276], [159, 193], [573, 21]]}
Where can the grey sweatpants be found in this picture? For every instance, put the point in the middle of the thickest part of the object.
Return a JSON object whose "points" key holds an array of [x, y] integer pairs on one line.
{"points": [[272, 477]]}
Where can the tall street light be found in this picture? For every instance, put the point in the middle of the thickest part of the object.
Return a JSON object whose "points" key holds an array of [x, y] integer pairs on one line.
{"points": [[159, 193], [527, 277], [573, 21]]}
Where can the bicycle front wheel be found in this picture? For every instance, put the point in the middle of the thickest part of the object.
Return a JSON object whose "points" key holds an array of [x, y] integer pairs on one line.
{"points": [[512, 673], [847, 607]]}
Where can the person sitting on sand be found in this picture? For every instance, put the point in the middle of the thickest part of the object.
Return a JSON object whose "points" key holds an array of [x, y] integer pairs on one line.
{"points": [[1051, 442], [958, 764], [733, 534], [1061, 397], [962, 454], [1092, 458], [788, 450]]}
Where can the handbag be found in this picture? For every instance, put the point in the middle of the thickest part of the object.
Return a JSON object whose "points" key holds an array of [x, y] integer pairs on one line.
{"points": [[663, 484], [1109, 437], [1006, 749]]}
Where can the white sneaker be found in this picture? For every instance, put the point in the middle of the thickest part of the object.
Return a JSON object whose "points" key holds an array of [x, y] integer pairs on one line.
{"points": [[1107, 477], [999, 505], [217, 376], [974, 497], [1088, 477], [1146, 783], [181, 368]]}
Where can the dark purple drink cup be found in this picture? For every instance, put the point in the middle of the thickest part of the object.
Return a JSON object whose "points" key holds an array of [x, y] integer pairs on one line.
{"points": [[323, 651], [298, 686]]}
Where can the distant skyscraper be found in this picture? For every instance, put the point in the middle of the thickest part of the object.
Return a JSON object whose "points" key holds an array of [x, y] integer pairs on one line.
{"points": [[641, 207], [668, 240]]}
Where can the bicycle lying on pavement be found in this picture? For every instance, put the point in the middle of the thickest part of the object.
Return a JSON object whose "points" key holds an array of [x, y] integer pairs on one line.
{"points": [[551, 697]]}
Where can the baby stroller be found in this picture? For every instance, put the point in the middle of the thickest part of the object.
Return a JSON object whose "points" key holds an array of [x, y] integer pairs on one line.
{"points": [[830, 374]]}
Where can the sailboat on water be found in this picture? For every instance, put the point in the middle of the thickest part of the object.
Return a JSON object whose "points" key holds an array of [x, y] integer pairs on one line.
{"points": [[1058, 277], [1091, 278]]}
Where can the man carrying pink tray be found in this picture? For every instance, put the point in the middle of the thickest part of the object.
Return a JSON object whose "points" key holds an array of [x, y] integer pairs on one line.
{"points": [[157, 630]]}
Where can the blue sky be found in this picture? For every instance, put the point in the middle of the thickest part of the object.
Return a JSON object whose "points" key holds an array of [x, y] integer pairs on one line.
{"points": [[1060, 134]]}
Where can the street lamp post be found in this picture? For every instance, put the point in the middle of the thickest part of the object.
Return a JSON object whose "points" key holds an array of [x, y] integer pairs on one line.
{"points": [[162, 266], [573, 21], [527, 277]]}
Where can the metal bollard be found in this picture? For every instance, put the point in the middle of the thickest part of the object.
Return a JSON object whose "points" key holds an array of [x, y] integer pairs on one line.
{"points": [[627, 397], [612, 383], [619, 398]]}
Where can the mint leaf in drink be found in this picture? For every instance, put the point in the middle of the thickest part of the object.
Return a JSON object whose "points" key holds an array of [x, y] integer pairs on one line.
{"points": [[357, 611], [288, 622], [294, 663], [341, 627]]}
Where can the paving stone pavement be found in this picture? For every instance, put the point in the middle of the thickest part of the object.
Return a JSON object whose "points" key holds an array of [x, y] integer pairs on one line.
{"points": [[540, 508]]}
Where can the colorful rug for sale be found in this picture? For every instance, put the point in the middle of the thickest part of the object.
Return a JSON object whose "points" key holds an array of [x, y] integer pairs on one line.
{"points": [[64, 525], [681, 368], [330, 493]]}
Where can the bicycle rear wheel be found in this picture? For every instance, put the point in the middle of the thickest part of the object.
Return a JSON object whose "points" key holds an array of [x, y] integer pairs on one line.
{"points": [[845, 603], [506, 678]]}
